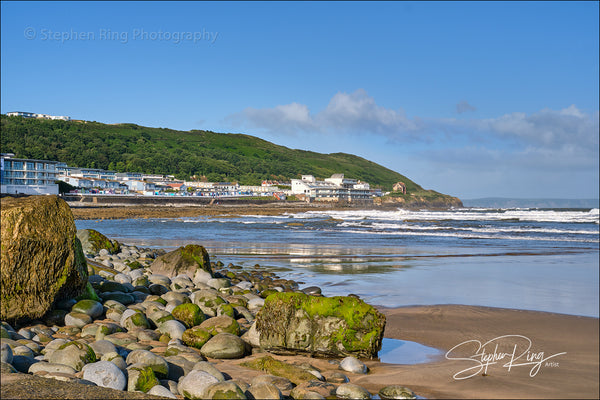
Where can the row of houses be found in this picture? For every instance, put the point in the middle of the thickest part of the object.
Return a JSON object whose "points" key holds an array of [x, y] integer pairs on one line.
{"points": [[26, 176], [25, 114]]}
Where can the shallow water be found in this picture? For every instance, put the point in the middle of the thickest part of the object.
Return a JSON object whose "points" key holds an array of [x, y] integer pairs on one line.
{"points": [[395, 351], [544, 260]]}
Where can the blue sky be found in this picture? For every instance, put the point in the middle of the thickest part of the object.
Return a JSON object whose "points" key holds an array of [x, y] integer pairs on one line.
{"points": [[466, 98]]}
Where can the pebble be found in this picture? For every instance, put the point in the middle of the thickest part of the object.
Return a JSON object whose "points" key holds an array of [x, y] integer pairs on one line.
{"points": [[354, 365]]}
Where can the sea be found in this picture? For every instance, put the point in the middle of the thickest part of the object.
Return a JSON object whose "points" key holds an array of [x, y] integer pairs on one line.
{"points": [[519, 258]]}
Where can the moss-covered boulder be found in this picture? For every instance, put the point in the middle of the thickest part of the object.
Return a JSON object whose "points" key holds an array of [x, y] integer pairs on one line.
{"points": [[42, 260], [196, 337], [184, 260], [188, 314], [291, 323], [93, 241]]}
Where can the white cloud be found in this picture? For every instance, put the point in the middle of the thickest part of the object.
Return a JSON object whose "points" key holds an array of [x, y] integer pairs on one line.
{"points": [[565, 138], [355, 112]]}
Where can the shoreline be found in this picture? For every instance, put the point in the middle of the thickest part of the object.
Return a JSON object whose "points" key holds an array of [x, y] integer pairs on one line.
{"points": [[575, 374]]}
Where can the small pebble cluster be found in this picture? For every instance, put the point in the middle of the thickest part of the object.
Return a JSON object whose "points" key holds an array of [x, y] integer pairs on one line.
{"points": [[158, 335]]}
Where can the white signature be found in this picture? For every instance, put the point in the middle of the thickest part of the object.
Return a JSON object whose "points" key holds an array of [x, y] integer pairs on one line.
{"points": [[486, 354]]}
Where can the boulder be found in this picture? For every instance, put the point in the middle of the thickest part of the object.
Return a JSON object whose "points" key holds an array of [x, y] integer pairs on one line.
{"points": [[140, 378], [74, 354], [159, 365], [305, 389], [42, 260], [196, 337], [224, 390], [194, 384], [291, 323], [105, 374], [222, 323], [224, 346], [354, 365], [188, 314], [264, 391], [93, 241], [350, 391], [393, 392], [90, 307], [184, 260]]}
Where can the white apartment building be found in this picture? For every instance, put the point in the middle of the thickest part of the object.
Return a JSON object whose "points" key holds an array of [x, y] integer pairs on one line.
{"points": [[26, 176], [35, 115], [336, 188]]}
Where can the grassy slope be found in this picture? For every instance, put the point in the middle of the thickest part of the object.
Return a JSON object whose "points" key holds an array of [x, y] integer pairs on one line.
{"points": [[218, 156]]}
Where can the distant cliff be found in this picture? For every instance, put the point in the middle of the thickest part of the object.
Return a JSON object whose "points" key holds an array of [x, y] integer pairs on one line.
{"points": [[420, 199]]}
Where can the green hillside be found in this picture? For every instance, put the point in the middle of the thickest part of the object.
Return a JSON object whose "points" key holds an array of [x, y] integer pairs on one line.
{"points": [[218, 156]]}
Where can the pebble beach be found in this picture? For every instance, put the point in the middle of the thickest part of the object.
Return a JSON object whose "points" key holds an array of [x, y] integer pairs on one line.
{"points": [[123, 331]]}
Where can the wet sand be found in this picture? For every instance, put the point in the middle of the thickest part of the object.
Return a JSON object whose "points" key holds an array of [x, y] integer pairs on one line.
{"points": [[570, 375], [176, 211]]}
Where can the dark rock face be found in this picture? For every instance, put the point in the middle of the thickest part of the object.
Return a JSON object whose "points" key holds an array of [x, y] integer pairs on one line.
{"points": [[323, 326], [42, 259], [184, 260]]}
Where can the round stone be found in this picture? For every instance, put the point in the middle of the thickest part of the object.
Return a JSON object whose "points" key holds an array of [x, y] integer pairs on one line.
{"points": [[193, 385], [350, 391], [77, 319], [224, 390], [393, 392], [6, 354], [224, 346], [172, 328], [263, 391], [105, 374], [147, 358], [161, 391], [354, 365], [90, 307]]}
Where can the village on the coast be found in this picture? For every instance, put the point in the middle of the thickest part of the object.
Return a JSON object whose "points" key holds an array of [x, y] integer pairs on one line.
{"points": [[39, 177]]}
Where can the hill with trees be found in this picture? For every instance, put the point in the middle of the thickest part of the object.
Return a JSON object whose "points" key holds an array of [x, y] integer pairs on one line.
{"points": [[218, 157]]}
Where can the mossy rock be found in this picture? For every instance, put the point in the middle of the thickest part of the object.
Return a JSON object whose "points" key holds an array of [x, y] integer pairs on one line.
{"points": [[323, 326], [41, 257], [221, 324], [93, 241], [188, 314], [141, 378], [224, 390], [295, 374], [226, 309], [89, 294], [184, 260], [196, 337], [134, 264]]}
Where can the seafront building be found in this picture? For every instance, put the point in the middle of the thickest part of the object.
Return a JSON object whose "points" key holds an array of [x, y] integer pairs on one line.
{"points": [[25, 114], [27, 176], [334, 189]]}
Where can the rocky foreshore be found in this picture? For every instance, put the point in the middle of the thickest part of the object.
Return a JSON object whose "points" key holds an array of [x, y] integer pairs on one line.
{"points": [[180, 326]]}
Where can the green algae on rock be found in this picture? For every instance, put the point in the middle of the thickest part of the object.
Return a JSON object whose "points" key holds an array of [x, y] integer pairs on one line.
{"points": [[291, 323], [188, 314], [42, 259], [93, 241], [184, 260], [275, 367]]}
